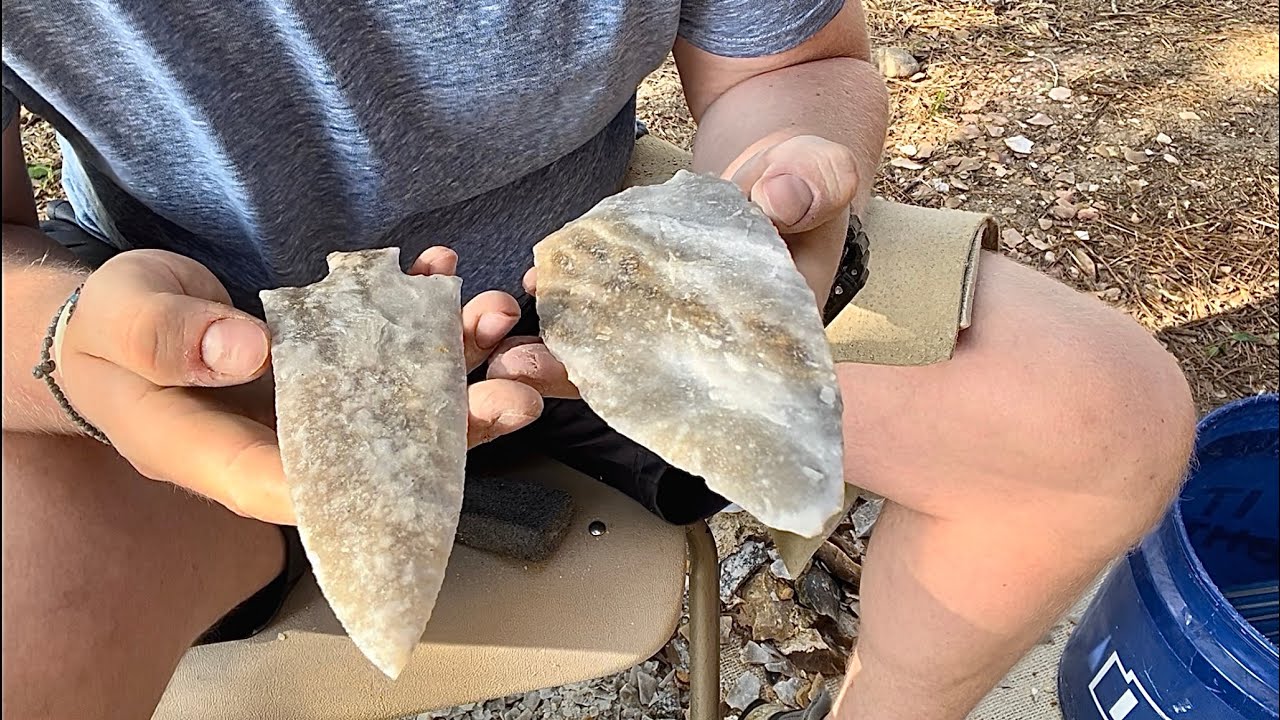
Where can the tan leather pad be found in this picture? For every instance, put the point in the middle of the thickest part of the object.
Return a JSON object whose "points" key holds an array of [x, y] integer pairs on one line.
{"points": [[598, 605], [920, 285]]}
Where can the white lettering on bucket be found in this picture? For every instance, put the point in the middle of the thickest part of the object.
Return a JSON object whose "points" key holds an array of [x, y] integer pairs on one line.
{"points": [[1119, 694]]}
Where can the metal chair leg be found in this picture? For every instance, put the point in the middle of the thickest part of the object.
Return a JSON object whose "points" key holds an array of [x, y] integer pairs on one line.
{"points": [[704, 623]]}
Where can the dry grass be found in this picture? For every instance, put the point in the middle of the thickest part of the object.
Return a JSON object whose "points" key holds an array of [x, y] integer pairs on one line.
{"points": [[1187, 245]]}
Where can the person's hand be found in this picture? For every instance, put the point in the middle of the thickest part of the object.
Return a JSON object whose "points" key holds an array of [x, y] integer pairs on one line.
{"points": [[805, 184], [526, 360], [153, 355], [801, 183], [497, 405]]}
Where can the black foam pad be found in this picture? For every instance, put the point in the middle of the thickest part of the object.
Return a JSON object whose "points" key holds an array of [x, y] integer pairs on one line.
{"points": [[514, 518]]}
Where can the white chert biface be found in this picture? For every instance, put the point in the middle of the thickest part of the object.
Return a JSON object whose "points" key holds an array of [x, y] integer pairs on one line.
{"points": [[681, 317], [372, 418]]}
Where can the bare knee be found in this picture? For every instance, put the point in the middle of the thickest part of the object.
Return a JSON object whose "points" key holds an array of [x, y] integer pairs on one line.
{"points": [[1114, 410]]}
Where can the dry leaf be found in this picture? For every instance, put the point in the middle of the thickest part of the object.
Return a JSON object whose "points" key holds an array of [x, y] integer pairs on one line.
{"points": [[1085, 263], [1040, 119], [1135, 156], [1045, 223], [1081, 234], [1038, 243], [1171, 159], [907, 150], [995, 131], [1060, 94], [1188, 115], [906, 164], [1011, 238], [1019, 144], [1087, 214], [1164, 139]]}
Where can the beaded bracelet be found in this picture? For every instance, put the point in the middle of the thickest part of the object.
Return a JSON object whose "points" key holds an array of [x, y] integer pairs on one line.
{"points": [[44, 371]]}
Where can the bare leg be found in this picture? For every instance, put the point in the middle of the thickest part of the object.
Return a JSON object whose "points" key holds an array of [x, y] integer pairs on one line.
{"points": [[109, 577], [1052, 441]]}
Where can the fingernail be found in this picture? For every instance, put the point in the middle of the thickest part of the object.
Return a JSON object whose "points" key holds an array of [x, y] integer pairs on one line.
{"points": [[492, 328], [785, 198], [232, 347]]}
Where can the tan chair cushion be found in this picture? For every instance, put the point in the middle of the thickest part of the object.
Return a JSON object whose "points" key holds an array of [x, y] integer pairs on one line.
{"points": [[597, 606]]}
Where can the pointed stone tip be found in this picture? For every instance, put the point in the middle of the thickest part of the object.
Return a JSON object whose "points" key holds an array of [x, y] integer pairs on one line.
{"points": [[386, 641], [389, 658], [809, 523]]}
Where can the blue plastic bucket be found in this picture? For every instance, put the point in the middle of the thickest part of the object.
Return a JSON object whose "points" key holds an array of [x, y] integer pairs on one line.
{"points": [[1185, 627]]}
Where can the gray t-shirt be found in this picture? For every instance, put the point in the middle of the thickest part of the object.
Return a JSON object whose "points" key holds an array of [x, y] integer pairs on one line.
{"points": [[257, 136]]}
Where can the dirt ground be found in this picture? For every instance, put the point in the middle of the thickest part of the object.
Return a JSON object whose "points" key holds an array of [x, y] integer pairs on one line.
{"points": [[1127, 147]]}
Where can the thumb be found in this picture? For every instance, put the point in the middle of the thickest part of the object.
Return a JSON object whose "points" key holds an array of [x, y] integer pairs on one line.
{"points": [[167, 319], [801, 182], [786, 199]]}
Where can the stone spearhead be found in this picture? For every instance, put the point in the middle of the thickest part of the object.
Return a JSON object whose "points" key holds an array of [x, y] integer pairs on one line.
{"points": [[372, 418], [681, 317]]}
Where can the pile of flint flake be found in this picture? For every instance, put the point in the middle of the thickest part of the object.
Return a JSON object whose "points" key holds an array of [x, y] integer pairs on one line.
{"points": [[782, 639]]}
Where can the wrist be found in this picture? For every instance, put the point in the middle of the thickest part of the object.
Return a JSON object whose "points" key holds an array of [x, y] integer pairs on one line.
{"points": [[33, 296], [817, 254]]}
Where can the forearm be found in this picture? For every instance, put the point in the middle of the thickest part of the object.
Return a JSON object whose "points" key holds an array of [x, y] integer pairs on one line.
{"points": [[39, 275], [839, 99]]}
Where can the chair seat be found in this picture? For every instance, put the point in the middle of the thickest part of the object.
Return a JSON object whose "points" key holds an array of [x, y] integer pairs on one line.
{"points": [[599, 605]]}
